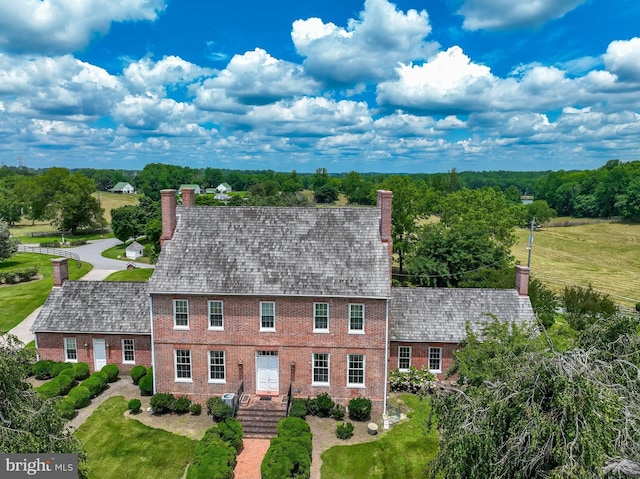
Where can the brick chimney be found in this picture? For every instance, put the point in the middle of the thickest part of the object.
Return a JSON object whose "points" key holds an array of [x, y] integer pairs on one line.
{"points": [[522, 280], [60, 271], [188, 197], [384, 201], [168, 203]]}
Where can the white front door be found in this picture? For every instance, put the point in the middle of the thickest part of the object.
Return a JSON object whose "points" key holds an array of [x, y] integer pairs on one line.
{"points": [[267, 372], [99, 354]]}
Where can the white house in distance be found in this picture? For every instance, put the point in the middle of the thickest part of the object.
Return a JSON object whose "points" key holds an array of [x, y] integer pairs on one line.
{"points": [[224, 188], [134, 251], [196, 188], [123, 188]]}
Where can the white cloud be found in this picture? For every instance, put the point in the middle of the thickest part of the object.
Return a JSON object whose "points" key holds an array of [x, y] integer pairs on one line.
{"points": [[152, 113], [510, 14], [147, 75], [60, 26], [369, 48], [623, 59]]}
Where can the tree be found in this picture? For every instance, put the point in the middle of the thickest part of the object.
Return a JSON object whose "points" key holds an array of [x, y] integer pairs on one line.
{"points": [[10, 206], [128, 221], [8, 245], [327, 193], [540, 211], [74, 206], [583, 306], [29, 424]]}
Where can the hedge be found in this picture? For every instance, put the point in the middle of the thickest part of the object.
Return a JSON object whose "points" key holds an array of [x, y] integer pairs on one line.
{"points": [[81, 371], [230, 431], [218, 409], [146, 383], [57, 368], [95, 383], [162, 403], [80, 397], [359, 409], [137, 373], [66, 409], [42, 369], [18, 276], [112, 371], [58, 386], [213, 458], [289, 454]]}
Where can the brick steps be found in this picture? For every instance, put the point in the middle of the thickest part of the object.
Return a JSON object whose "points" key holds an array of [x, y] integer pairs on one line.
{"points": [[260, 423]]}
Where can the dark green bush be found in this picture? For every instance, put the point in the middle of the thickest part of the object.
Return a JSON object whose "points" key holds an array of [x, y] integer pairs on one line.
{"points": [[68, 372], [96, 383], [338, 412], [360, 409], [80, 396], [298, 408], [324, 404], [137, 373], [181, 405], [284, 460], [230, 431], [65, 382], [57, 368], [42, 369], [146, 383], [344, 430], [312, 406], [49, 390], [66, 409], [112, 371], [162, 403], [50, 244], [212, 458], [134, 406], [218, 409], [195, 409], [103, 377], [81, 371]]}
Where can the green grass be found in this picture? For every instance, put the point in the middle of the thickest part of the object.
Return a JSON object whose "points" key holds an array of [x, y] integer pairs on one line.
{"points": [[402, 452], [121, 448], [119, 252], [109, 201], [18, 301], [138, 275]]}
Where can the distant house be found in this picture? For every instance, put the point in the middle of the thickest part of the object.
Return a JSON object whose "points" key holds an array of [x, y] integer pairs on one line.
{"points": [[224, 188], [526, 199], [134, 250], [123, 188], [197, 189]]}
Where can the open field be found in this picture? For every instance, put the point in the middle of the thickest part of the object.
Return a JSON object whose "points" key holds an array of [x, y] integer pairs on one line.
{"points": [[605, 255], [109, 201]]}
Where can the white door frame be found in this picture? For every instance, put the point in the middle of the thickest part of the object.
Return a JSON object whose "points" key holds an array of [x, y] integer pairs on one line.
{"points": [[267, 363], [99, 353]]}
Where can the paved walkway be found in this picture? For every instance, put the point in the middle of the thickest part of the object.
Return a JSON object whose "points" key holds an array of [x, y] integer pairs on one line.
{"points": [[102, 267], [250, 458]]}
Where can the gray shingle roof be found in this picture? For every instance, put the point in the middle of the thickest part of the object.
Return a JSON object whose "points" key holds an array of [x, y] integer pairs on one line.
{"points": [[96, 307], [275, 251], [440, 314]]}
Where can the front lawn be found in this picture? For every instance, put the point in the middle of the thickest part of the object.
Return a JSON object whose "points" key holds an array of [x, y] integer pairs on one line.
{"points": [[19, 300], [402, 452], [121, 448]]}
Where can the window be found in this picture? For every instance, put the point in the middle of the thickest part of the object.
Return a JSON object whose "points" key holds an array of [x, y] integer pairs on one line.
{"points": [[70, 350], [180, 313], [321, 317], [356, 318], [128, 351], [215, 315], [267, 316], [404, 357], [435, 360], [355, 370], [183, 364], [320, 369], [216, 367]]}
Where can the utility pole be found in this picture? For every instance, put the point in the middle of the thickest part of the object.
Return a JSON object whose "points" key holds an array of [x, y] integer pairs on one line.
{"points": [[530, 245]]}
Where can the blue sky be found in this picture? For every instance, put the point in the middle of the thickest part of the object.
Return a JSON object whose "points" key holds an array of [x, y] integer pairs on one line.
{"points": [[371, 86]]}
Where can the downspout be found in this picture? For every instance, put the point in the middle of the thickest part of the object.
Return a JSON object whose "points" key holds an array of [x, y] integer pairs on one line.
{"points": [[386, 359], [153, 344]]}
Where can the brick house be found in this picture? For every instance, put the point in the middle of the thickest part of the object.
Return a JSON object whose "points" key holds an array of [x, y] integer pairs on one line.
{"points": [[270, 298]]}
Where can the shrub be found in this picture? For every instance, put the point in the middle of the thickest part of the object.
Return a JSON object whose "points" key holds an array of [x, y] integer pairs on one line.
{"points": [[298, 408], [68, 372], [57, 368], [338, 412], [181, 405], [134, 406], [146, 383], [95, 383], [112, 371], [415, 381], [195, 409], [80, 396], [230, 431], [360, 409], [284, 460], [212, 458], [66, 408], [50, 244], [49, 390], [218, 409], [137, 373], [65, 382], [42, 369], [324, 404], [312, 406], [162, 403], [293, 426], [344, 430], [81, 371], [78, 242], [103, 377]]}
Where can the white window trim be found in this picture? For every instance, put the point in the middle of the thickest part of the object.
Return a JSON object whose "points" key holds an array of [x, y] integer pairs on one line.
{"points": [[66, 349], [320, 330], [175, 326], [356, 331], [215, 328], [124, 361], [224, 365], [272, 329], [313, 367], [435, 371], [364, 372], [175, 367], [410, 357]]}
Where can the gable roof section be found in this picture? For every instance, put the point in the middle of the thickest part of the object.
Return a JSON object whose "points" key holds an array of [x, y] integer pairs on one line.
{"points": [[96, 307], [121, 185], [135, 246], [440, 314], [274, 251]]}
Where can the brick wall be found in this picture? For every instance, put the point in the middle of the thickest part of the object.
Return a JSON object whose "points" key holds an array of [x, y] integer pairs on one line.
{"points": [[51, 346], [293, 340], [420, 355]]}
